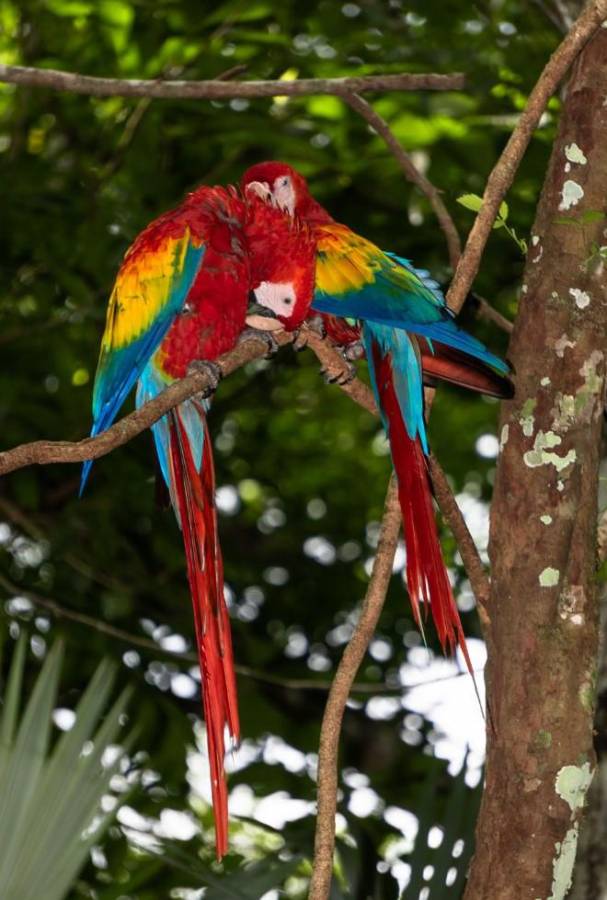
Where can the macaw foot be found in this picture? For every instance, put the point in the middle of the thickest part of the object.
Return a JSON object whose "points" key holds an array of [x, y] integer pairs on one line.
{"points": [[353, 351], [257, 334], [213, 372], [347, 374], [314, 324]]}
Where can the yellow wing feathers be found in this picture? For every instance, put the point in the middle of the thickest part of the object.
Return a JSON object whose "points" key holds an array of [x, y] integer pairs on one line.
{"points": [[143, 289], [345, 261]]}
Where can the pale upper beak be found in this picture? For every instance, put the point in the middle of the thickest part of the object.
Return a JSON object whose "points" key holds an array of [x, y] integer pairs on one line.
{"points": [[261, 189]]}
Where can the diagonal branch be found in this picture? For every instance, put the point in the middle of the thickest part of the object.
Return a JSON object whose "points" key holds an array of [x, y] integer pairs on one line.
{"points": [[410, 172], [328, 753], [505, 169], [215, 89], [43, 452]]}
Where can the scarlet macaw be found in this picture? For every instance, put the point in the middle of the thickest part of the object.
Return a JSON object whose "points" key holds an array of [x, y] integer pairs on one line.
{"points": [[180, 297], [405, 322]]}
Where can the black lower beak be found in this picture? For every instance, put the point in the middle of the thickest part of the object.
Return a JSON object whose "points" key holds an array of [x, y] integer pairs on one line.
{"points": [[256, 309]]}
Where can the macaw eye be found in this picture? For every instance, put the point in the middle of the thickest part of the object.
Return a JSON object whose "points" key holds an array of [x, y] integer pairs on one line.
{"points": [[285, 181], [288, 301]]}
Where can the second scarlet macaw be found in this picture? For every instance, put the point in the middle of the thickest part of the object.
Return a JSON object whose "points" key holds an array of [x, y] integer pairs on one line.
{"points": [[405, 321]]}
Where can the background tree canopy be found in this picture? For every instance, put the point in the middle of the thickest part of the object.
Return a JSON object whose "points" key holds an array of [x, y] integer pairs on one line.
{"points": [[301, 470]]}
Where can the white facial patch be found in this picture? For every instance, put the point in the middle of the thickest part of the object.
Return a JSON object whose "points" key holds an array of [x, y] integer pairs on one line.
{"points": [[279, 296], [284, 194]]}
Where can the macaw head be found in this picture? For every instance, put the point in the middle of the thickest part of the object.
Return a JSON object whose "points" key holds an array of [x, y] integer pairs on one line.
{"points": [[282, 259], [278, 184]]}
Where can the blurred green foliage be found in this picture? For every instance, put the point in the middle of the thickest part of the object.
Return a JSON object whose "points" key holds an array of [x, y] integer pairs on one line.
{"points": [[302, 471]]}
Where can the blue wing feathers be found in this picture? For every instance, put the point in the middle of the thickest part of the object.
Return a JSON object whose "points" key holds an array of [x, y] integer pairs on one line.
{"points": [[125, 364]]}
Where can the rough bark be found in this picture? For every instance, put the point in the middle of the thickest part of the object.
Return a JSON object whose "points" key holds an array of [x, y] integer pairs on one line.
{"points": [[590, 874], [544, 619]]}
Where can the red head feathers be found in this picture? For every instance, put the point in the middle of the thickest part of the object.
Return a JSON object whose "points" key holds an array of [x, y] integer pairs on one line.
{"points": [[282, 249], [279, 184]]}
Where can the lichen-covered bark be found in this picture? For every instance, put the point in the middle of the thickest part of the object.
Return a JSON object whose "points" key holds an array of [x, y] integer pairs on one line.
{"points": [[590, 873], [544, 621]]}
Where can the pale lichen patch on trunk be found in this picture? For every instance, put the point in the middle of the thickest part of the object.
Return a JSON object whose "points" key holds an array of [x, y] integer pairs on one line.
{"points": [[571, 194], [562, 864], [527, 420], [572, 783], [582, 298], [549, 577], [574, 154], [542, 454]]}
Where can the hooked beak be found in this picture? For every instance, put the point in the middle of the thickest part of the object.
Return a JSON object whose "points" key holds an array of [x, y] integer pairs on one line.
{"points": [[260, 317], [257, 309], [262, 190]]}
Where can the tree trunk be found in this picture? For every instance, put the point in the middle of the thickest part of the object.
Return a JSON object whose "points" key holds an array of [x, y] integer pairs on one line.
{"points": [[590, 874], [543, 637]]}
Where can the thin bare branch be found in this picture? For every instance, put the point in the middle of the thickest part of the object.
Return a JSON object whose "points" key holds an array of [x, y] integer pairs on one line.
{"points": [[328, 753], [507, 165], [410, 172], [215, 89], [135, 640], [43, 452], [484, 310], [443, 216], [465, 542]]}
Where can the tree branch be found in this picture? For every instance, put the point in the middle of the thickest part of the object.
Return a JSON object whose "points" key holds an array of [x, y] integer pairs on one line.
{"points": [[135, 640], [214, 89], [484, 310], [507, 165], [43, 452], [465, 542], [410, 172], [328, 753]]}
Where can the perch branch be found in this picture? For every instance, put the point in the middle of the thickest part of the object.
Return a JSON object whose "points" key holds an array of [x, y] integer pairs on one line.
{"points": [[221, 90], [324, 841], [43, 452], [410, 172], [502, 174]]}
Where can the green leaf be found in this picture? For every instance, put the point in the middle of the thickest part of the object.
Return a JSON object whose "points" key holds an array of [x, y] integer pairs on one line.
{"points": [[48, 802], [471, 201], [503, 213]]}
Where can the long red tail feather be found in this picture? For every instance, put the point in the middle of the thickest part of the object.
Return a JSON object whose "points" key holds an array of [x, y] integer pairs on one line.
{"points": [[194, 494], [452, 365], [427, 579]]}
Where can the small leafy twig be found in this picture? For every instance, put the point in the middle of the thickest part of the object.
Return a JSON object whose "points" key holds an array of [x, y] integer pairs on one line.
{"points": [[474, 202]]}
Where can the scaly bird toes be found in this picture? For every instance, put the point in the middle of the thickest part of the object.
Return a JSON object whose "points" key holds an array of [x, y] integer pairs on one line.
{"points": [[353, 351], [213, 372], [345, 376], [316, 325], [257, 334], [301, 340]]}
